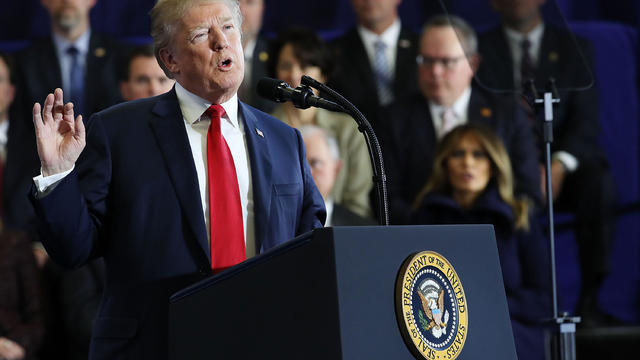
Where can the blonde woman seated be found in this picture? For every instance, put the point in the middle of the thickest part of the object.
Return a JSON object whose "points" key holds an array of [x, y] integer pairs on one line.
{"points": [[301, 52], [472, 183]]}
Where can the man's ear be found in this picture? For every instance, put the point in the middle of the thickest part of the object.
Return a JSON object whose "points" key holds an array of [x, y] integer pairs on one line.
{"points": [[474, 61], [338, 166], [168, 60]]}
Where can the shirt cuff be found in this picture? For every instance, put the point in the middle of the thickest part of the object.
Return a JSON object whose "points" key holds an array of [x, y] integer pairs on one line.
{"points": [[46, 184], [568, 161]]}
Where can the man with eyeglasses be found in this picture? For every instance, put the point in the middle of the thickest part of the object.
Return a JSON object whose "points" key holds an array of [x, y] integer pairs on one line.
{"points": [[412, 126]]}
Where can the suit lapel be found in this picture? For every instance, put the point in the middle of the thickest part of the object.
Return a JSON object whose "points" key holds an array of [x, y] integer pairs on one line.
{"points": [[405, 71], [480, 110], [168, 128], [359, 56], [547, 59], [261, 167], [49, 68]]}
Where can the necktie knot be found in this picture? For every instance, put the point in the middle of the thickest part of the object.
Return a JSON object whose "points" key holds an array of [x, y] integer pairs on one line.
{"points": [[73, 51], [448, 120], [526, 45], [379, 45], [215, 112]]}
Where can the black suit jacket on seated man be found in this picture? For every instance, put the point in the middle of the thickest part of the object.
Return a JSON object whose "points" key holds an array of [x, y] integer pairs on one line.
{"points": [[354, 78], [409, 144], [589, 191], [576, 124]]}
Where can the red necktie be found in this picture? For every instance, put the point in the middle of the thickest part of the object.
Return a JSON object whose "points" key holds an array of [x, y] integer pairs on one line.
{"points": [[225, 211]]}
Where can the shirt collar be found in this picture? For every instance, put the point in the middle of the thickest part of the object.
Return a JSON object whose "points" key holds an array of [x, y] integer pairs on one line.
{"points": [[534, 36], [389, 36], [459, 107], [248, 50], [81, 43], [193, 106], [328, 205]]}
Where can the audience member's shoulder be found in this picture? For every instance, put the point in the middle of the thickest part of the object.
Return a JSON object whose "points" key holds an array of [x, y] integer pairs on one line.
{"points": [[128, 108]]}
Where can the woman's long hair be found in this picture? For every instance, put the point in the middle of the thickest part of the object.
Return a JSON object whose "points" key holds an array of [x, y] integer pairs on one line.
{"points": [[501, 172]]}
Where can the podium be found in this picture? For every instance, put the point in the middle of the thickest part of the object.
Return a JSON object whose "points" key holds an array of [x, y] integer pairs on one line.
{"points": [[333, 294]]}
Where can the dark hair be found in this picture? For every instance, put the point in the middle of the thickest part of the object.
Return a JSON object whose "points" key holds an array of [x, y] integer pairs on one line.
{"points": [[8, 60], [308, 48], [138, 51]]}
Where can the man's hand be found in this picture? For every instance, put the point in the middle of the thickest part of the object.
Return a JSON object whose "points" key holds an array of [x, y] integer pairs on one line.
{"points": [[60, 139], [558, 173], [10, 350]]}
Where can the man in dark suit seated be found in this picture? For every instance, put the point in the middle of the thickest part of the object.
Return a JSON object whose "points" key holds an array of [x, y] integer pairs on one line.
{"points": [[75, 59], [323, 156], [171, 188], [525, 47], [447, 60], [376, 60]]}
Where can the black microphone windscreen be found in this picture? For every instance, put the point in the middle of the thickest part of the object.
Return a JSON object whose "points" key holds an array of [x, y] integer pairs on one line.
{"points": [[269, 89]]}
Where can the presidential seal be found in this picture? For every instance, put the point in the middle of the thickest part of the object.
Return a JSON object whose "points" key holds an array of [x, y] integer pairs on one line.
{"points": [[431, 307]]}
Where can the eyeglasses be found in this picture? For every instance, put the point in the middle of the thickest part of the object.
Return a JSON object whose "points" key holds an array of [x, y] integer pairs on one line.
{"points": [[448, 63]]}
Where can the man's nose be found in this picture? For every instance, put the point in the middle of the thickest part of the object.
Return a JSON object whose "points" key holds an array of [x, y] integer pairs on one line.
{"points": [[219, 39]]}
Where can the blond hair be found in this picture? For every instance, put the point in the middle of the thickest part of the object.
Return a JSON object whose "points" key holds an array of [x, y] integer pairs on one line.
{"points": [[500, 165], [165, 17]]}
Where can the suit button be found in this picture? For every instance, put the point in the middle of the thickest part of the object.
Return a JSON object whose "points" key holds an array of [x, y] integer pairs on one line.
{"points": [[204, 271]]}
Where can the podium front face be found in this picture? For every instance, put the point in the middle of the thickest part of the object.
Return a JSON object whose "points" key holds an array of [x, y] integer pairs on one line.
{"points": [[336, 293]]}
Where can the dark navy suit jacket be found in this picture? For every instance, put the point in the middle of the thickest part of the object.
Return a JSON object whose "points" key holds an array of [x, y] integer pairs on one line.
{"points": [[134, 199], [576, 125]]}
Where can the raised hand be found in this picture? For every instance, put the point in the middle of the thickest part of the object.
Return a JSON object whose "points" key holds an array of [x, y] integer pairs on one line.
{"points": [[60, 138]]}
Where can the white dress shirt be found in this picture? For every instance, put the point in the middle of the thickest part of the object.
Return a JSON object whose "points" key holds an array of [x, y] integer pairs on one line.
{"points": [[460, 108], [192, 108], [389, 37]]}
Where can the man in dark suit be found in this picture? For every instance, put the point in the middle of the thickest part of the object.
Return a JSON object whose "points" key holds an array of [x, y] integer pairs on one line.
{"points": [[323, 156], [73, 58], [376, 60], [413, 125], [525, 47], [170, 187], [256, 55]]}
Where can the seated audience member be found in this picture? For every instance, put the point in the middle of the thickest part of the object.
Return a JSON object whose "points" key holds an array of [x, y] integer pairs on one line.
{"points": [[256, 54], [142, 77], [472, 183], [302, 52], [323, 157], [21, 324], [412, 126], [75, 58], [375, 58], [525, 47], [7, 93]]}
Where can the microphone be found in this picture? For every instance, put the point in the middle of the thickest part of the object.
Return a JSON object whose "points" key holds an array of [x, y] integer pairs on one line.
{"points": [[302, 97]]}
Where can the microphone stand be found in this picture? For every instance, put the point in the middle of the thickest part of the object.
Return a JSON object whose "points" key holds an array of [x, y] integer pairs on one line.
{"points": [[563, 346], [375, 153]]}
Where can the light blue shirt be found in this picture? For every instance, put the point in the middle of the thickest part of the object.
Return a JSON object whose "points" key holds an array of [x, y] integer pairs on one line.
{"points": [[61, 44]]}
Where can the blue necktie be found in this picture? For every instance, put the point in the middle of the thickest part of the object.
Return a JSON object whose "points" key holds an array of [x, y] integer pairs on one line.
{"points": [[76, 81], [382, 73]]}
